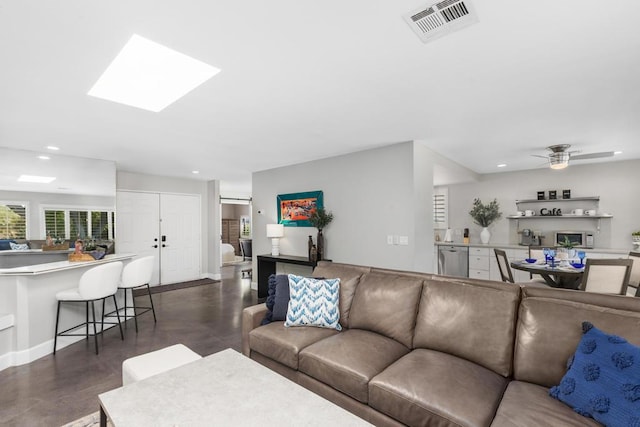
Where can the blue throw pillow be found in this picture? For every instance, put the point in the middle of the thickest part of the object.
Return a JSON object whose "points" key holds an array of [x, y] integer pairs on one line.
{"points": [[281, 298], [271, 298], [5, 244], [313, 302], [603, 380]]}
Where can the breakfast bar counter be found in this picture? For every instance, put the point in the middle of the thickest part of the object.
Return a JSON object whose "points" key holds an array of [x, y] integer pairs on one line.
{"points": [[27, 296]]}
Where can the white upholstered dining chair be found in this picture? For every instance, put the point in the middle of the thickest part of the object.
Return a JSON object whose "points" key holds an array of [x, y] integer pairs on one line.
{"points": [[606, 276]]}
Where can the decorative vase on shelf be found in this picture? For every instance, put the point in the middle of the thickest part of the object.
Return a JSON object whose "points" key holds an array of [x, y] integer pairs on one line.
{"points": [[320, 245], [485, 235]]}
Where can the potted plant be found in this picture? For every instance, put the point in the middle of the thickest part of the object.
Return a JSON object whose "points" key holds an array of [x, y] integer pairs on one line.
{"points": [[567, 250], [484, 216], [319, 219], [635, 237]]}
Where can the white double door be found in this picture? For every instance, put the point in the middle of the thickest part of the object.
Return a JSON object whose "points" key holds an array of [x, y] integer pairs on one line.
{"points": [[166, 226]]}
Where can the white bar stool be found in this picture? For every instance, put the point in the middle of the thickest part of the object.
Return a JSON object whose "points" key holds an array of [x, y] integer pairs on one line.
{"points": [[137, 274], [98, 283]]}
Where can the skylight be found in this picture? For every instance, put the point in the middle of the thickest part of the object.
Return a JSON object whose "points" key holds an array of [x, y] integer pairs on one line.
{"points": [[36, 179], [150, 76]]}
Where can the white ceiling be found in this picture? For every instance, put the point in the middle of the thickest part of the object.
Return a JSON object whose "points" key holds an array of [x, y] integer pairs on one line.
{"points": [[304, 80]]}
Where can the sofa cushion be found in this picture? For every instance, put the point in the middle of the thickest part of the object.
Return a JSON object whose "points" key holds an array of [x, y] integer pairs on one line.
{"points": [[5, 244], [348, 361], [470, 321], [430, 388], [313, 302], [387, 304], [549, 331], [349, 278], [525, 405], [283, 344], [603, 380]]}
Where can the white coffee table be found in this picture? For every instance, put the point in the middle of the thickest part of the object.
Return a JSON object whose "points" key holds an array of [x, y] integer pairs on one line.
{"points": [[224, 389]]}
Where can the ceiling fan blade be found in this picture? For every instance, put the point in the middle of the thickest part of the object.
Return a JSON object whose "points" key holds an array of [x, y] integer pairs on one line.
{"points": [[592, 155], [542, 157]]}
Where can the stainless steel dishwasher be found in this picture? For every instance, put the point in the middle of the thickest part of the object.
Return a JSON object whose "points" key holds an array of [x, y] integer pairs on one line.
{"points": [[453, 261]]}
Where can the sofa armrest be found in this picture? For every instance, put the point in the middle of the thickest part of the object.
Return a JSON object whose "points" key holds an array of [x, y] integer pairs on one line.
{"points": [[251, 318]]}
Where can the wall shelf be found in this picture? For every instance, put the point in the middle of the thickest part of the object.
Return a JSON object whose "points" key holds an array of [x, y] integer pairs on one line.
{"points": [[573, 199], [558, 216]]}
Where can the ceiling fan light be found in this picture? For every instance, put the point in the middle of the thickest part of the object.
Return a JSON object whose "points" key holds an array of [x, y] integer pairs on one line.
{"points": [[558, 160]]}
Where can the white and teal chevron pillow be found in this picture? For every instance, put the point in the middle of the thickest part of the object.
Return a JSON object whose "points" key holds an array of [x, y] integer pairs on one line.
{"points": [[313, 302]]}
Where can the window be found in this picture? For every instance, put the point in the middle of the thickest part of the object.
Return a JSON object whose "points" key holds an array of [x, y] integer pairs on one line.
{"points": [[440, 208], [13, 220], [72, 223]]}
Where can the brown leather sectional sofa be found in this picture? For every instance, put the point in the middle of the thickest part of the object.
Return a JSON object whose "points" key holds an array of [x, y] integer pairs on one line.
{"points": [[428, 350]]}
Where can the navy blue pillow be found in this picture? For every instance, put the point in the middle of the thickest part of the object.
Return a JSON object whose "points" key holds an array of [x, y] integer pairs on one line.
{"points": [[603, 380], [281, 303], [5, 244], [271, 298]]}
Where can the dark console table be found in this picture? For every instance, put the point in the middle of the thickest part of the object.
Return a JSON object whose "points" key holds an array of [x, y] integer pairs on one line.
{"points": [[267, 267]]}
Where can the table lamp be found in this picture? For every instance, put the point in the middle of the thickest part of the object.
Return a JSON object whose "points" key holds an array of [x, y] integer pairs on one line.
{"points": [[275, 231]]}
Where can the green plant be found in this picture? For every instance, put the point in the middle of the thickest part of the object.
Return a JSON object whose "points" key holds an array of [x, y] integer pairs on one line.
{"points": [[636, 233], [320, 218], [485, 215], [566, 243]]}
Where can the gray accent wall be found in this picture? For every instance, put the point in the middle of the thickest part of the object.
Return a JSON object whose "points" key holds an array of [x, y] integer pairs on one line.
{"points": [[614, 182], [372, 194]]}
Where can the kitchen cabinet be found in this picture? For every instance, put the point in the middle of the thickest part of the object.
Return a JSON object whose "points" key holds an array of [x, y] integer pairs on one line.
{"points": [[483, 264]]}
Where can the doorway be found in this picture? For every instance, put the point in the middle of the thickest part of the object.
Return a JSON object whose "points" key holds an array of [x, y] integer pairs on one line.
{"points": [[166, 226]]}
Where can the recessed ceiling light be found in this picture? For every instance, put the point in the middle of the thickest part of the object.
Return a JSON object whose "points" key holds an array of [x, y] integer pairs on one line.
{"points": [[36, 179], [52, 148], [195, 172], [617, 152], [150, 76], [502, 165], [44, 157]]}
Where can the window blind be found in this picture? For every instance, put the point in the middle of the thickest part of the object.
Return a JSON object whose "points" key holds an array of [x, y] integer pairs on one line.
{"points": [[13, 221], [440, 210]]}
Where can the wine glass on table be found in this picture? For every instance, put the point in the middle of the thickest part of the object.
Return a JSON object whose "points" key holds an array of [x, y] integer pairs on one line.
{"points": [[581, 255], [552, 256], [545, 251]]}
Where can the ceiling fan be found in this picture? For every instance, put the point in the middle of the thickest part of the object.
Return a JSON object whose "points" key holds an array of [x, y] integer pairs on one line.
{"points": [[559, 156]]}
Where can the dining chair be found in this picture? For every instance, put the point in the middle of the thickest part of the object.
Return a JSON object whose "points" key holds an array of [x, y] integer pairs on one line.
{"points": [[606, 276], [97, 283], [503, 266], [634, 277]]}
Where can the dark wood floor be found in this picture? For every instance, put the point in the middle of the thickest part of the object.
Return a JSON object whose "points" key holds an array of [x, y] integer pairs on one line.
{"points": [[55, 390]]}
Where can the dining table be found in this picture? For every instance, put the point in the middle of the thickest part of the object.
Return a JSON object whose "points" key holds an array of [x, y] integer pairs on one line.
{"points": [[559, 275]]}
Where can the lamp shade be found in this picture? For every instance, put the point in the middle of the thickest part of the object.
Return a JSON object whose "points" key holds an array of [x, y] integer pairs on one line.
{"points": [[275, 230]]}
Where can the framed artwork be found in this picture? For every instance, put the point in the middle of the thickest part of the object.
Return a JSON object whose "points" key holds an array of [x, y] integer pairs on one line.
{"points": [[294, 209]]}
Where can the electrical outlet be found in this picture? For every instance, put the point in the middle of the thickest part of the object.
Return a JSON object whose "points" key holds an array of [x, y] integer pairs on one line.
{"points": [[389, 239], [395, 239], [403, 240]]}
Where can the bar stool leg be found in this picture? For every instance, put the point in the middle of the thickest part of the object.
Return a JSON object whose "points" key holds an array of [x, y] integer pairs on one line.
{"points": [[86, 315], [95, 335], [135, 315], [125, 307], [115, 303], [153, 310], [55, 338], [102, 322]]}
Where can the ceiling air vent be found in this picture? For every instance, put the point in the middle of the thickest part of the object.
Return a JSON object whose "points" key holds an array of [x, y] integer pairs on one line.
{"points": [[441, 18]]}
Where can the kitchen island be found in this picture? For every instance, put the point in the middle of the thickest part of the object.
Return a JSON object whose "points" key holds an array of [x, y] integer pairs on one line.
{"points": [[28, 307]]}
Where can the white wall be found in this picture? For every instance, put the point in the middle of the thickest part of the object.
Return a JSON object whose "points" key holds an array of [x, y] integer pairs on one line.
{"points": [[615, 183], [371, 193], [209, 193]]}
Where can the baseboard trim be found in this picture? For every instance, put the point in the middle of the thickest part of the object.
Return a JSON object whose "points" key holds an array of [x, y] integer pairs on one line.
{"points": [[212, 276]]}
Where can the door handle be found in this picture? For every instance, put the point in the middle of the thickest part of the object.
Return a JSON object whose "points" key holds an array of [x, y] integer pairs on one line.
{"points": [[154, 246], [164, 246]]}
